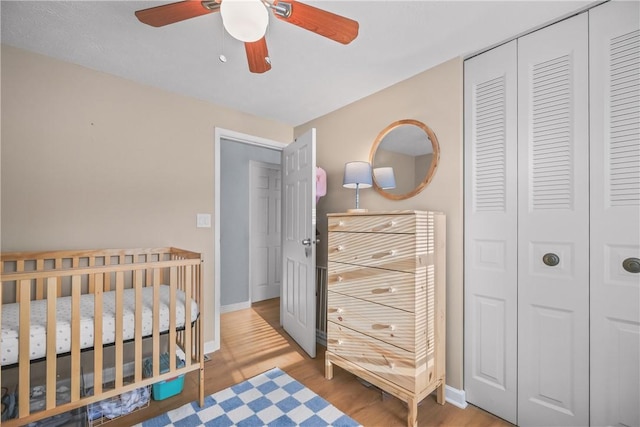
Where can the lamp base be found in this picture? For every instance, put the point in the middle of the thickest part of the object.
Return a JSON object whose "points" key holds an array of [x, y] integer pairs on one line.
{"points": [[357, 210]]}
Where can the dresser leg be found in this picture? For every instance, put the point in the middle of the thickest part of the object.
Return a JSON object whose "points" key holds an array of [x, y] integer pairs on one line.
{"points": [[328, 368], [412, 418], [440, 397]]}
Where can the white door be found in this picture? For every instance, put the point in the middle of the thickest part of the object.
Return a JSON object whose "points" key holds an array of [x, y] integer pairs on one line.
{"points": [[298, 300], [553, 225], [491, 213], [265, 272], [615, 213]]}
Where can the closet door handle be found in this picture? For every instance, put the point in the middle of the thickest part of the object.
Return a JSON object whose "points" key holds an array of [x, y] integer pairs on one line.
{"points": [[632, 265], [551, 259]]}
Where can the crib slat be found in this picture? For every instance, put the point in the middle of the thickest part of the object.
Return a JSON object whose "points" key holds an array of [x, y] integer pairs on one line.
{"points": [[39, 281], [97, 334], [107, 277], [138, 327], [58, 265], [76, 283], [119, 326], [19, 267], [173, 282], [156, 322], [200, 326], [51, 343], [200, 332], [24, 367], [1, 270], [187, 316], [92, 263]]}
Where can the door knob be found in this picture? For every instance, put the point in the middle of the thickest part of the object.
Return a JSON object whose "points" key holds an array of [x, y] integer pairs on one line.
{"points": [[307, 242], [551, 259], [632, 265]]}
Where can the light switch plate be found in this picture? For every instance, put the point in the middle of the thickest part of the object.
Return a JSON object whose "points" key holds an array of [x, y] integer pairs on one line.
{"points": [[203, 220]]}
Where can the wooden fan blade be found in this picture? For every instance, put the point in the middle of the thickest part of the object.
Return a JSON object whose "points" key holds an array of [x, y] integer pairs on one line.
{"points": [[160, 16], [327, 24], [257, 55]]}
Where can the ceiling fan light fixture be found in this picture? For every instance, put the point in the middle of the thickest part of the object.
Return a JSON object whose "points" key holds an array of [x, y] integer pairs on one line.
{"points": [[245, 20]]}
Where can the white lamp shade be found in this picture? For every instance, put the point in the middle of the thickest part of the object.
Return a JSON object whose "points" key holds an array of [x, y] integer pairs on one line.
{"points": [[385, 177], [357, 174], [245, 20]]}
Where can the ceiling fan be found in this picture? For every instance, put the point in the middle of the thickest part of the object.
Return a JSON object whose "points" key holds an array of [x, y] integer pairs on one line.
{"points": [[247, 20]]}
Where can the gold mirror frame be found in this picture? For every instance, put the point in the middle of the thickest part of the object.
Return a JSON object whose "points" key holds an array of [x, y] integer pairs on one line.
{"points": [[432, 167]]}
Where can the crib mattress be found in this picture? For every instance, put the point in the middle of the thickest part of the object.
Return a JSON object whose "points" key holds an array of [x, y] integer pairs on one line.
{"points": [[38, 342]]}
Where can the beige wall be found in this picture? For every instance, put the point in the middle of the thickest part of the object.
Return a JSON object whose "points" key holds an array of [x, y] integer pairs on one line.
{"points": [[90, 160], [435, 98]]}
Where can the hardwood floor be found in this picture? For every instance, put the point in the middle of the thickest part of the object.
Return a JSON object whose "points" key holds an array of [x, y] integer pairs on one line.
{"points": [[253, 342]]}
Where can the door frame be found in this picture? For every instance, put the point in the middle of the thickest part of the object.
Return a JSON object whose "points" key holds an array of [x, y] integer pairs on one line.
{"points": [[233, 136]]}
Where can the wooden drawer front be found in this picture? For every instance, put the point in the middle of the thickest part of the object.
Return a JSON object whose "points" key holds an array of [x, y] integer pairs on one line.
{"points": [[387, 361], [373, 224], [396, 289], [388, 324], [390, 251]]}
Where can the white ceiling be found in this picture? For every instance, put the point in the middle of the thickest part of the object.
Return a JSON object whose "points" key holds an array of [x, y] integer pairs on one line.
{"points": [[310, 76]]}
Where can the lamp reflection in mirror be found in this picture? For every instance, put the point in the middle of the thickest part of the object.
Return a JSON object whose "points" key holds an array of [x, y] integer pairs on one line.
{"points": [[245, 20], [385, 178], [357, 175]]}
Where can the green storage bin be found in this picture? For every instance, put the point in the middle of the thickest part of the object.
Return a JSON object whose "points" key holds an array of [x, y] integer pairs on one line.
{"points": [[164, 389]]}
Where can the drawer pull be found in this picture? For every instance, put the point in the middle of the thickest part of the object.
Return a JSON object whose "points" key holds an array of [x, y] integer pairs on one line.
{"points": [[379, 255], [339, 310], [335, 341], [383, 226], [391, 365], [340, 278], [379, 326], [341, 224], [389, 290], [339, 248]]}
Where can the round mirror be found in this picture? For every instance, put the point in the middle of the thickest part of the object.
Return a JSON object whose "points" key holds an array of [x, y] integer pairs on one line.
{"points": [[404, 158]]}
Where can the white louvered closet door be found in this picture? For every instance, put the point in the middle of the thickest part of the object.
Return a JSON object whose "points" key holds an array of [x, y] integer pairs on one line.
{"points": [[491, 231], [553, 225], [615, 213]]}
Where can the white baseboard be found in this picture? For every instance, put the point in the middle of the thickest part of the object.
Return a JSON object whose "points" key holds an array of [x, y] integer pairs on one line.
{"points": [[211, 346], [455, 397], [235, 307]]}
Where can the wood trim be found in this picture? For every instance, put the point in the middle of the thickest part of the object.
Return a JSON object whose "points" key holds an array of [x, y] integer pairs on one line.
{"points": [[432, 167]]}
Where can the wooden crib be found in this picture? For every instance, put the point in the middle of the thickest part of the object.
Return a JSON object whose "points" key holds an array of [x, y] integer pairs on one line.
{"points": [[94, 310]]}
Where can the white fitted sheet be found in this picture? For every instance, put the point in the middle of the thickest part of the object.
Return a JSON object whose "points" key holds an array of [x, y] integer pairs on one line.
{"points": [[38, 342]]}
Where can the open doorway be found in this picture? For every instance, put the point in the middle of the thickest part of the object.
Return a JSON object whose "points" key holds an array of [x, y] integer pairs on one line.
{"points": [[234, 153], [247, 251], [298, 189]]}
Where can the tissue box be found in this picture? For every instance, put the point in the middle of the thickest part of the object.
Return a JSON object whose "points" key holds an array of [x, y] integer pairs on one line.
{"points": [[164, 389]]}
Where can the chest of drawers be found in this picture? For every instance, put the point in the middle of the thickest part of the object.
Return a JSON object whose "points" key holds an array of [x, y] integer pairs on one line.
{"points": [[386, 302]]}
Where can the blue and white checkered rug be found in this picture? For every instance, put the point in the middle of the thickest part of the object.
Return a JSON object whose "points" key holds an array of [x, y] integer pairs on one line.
{"points": [[272, 399]]}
